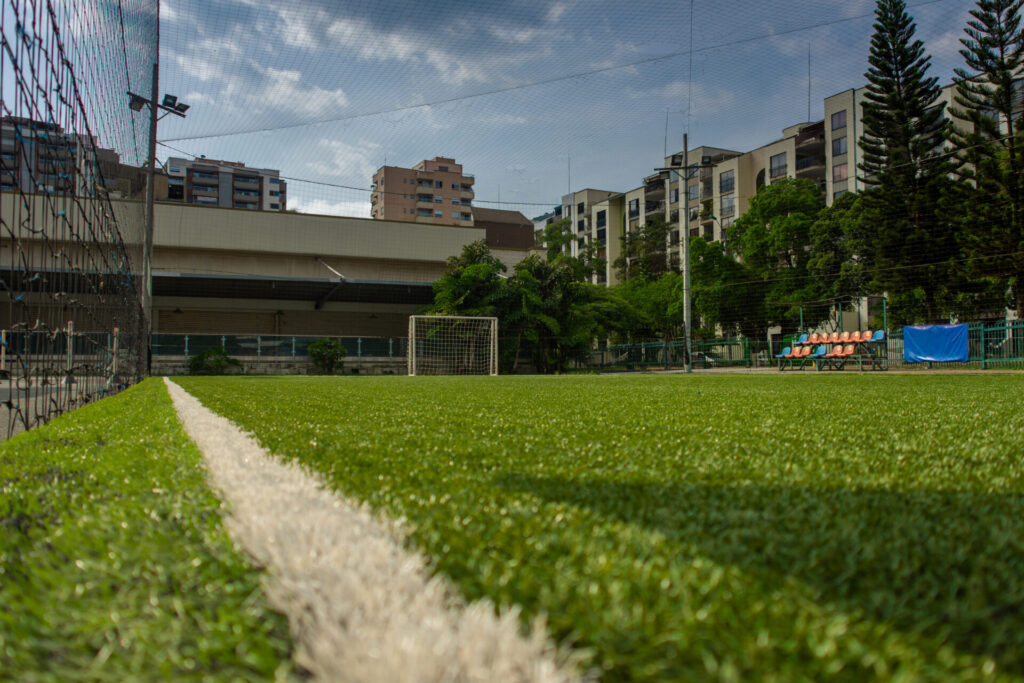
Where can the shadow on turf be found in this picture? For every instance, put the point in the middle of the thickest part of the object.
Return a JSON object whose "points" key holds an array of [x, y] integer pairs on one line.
{"points": [[944, 564]]}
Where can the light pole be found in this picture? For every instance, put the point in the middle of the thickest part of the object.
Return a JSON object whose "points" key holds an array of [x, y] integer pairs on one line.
{"points": [[684, 237], [170, 105]]}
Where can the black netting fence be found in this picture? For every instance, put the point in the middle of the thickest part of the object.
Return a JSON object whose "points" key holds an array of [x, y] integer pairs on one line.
{"points": [[72, 223]]}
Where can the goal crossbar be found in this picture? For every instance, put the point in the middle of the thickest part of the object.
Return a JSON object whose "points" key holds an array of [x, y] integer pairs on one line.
{"points": [[452, 345]]}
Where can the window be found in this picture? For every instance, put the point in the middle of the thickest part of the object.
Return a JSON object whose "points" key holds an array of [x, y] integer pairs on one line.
{"points": [[455, 186], [727, 205], [839, 120], [423, 212], [581, 225], [275, 193], [674, 196], [438, 184], [438, 199], [439, 214], [467, 216], [837, 194], [601, 234], [405, 180], [839, 173], [579, 208], [173, 169], [275, 180], [727, 181], [443, 169], [275, 206], [602, 218], [455, 215], [839, 146], [634, 208], [581, 242], [693, 192], [777, 165]]}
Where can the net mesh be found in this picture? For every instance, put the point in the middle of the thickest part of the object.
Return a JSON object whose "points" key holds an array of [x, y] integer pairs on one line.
{"points": [[453, 345], [71, 240]]}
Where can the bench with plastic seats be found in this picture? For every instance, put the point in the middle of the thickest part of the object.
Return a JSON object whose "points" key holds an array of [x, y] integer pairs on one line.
{"points": [[788, 359], [785, 354]]}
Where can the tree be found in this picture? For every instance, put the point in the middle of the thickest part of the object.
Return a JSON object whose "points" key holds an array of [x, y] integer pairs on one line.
{"points": [[773, 240], [839, 241], [727, 297], [645, 251], [990, 149], [472, 283], [658, 305], [912, 245], [327, 355]]}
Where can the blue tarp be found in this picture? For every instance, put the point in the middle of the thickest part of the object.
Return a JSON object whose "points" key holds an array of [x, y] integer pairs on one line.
{"points": [[935, 343]]}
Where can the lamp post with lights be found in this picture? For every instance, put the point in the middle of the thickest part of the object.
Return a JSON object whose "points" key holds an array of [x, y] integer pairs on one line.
{"points": [[169, 105]]}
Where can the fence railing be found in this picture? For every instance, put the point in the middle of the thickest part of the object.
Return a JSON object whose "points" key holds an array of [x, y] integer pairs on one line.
{"points": [[989, 345], [274, 346]]}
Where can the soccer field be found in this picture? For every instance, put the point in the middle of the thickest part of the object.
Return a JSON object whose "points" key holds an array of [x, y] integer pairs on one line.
{"points": [[678, 527]]}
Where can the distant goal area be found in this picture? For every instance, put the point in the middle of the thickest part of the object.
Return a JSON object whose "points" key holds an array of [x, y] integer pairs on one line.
{"points": [[452, 345]]}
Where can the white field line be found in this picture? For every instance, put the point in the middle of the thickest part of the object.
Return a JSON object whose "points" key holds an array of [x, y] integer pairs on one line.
{"points": [[361, 607]]}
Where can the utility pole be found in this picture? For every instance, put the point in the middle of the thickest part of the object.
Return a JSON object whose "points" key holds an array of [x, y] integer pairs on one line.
{"points": [[147, 255], [684, 238]]}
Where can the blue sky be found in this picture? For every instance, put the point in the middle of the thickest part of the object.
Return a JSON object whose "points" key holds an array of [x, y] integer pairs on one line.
{"points": [[326, 91]]}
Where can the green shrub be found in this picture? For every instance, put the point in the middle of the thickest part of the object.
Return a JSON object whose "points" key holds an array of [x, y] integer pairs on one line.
{"points": [[213, 361], [327, 355]]}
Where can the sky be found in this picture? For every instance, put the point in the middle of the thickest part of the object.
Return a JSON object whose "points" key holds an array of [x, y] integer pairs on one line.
{"points": [[533, 98]]}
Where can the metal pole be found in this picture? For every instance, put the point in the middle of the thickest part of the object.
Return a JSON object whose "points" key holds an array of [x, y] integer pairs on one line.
{"points": [[684, 238], [147, 305]]}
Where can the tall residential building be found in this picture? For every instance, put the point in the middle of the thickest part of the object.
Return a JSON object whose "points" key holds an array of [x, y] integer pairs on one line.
{"points": [[434, 191], [40, 157], [227, 184]]}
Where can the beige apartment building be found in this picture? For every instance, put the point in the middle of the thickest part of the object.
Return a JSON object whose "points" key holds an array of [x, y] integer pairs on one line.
{"points": [[227, 184], [434, 191]]}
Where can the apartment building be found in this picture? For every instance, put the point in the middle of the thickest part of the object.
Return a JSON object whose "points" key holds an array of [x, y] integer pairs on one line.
{"points": [[434, 191], [40, 157], [227, 184]]}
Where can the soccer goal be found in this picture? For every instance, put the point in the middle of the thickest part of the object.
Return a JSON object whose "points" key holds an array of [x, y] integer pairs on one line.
{"points": [[452, 345]]}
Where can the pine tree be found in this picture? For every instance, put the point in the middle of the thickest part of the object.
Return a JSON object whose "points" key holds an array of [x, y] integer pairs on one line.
{"points": [[905, 166], [990, 146]]}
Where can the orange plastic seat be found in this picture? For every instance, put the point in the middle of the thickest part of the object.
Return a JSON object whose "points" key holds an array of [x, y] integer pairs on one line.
{"points": [[814, 338], [866, 335], [849, 350], [836, 350], [844, 337], [855, 337], [833, 338]]}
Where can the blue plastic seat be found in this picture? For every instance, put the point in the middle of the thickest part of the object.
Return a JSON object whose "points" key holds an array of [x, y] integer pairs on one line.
{"points": [[801, 340], [785, 352], [878, 337]]}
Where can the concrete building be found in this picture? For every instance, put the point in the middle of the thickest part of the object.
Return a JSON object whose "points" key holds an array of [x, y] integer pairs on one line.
{"points": [[227, 184], [434, 192], [42, 157]]}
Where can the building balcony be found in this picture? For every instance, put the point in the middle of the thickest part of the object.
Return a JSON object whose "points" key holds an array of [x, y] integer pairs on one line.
{"points": [[654, 207], [246, 196], [466, 193], [810, 167], [425, 202], [206, 176], [202, 191], [246, 183]]}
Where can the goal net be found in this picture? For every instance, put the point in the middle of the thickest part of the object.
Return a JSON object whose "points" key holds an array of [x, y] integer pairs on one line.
{"points": [[452, 345]]}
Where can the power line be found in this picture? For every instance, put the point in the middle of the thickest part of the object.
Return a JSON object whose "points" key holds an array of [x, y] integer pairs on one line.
{"points": [[547, 81]]}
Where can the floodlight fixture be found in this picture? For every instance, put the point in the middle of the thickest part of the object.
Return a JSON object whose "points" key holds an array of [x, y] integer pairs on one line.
{"points": [[136, 102], [169, 100], [182, 107]]}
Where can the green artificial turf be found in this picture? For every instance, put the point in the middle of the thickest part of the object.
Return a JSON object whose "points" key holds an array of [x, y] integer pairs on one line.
{"points": [[674, 527], [114, 564]]}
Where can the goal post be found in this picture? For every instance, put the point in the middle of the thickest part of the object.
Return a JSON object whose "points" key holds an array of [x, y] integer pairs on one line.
{"points": [[452, 345]]}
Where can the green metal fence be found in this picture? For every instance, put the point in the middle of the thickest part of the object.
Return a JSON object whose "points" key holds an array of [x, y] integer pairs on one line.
{"points": [[994, 345], [274, 346], [671, 354]]}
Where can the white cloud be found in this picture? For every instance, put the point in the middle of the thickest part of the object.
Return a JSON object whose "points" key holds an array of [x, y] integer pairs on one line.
{"points": [[705, 102], [284, 89], [946, 47], [556, 11], [325, 207], [344, 160]]}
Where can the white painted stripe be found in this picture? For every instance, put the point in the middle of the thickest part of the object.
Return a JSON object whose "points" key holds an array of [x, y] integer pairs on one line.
{"points": [[361, 607]]}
